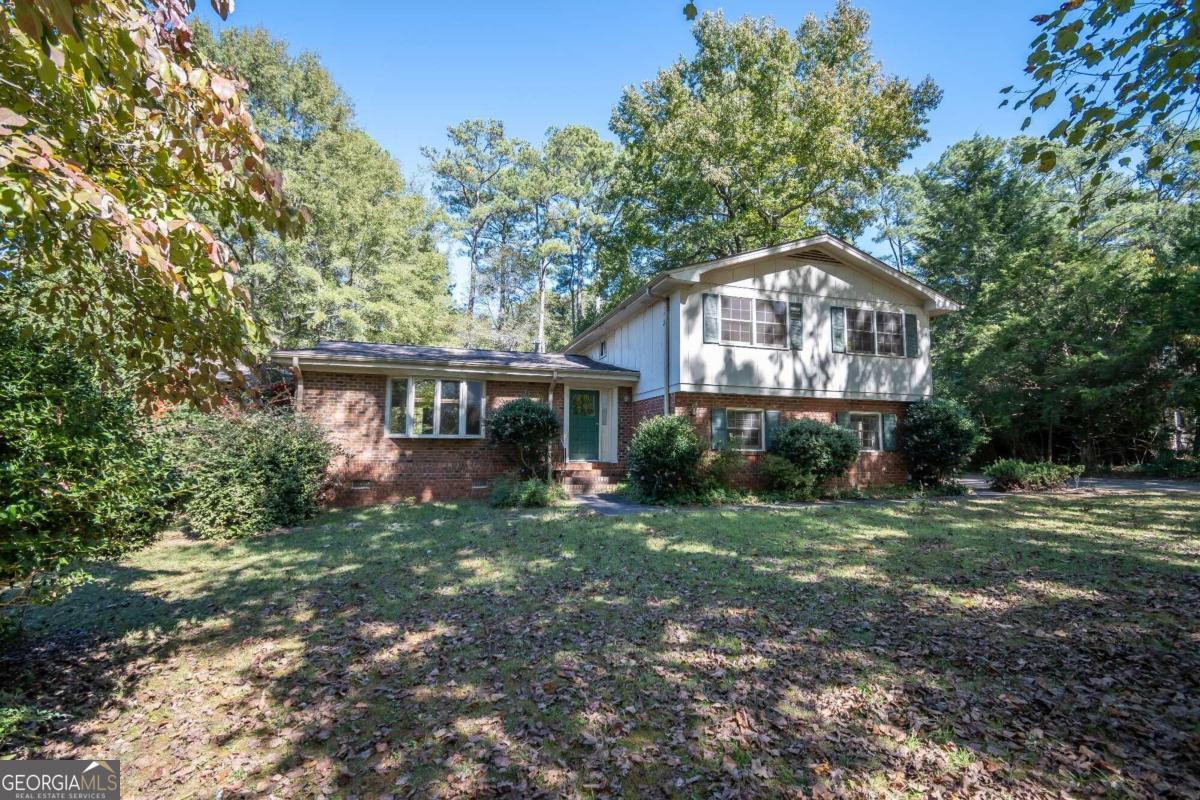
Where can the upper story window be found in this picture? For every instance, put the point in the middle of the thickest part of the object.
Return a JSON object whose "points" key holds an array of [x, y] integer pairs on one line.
{"points": [[434, 407], [877, 332], [604, 348], [745, 320]]}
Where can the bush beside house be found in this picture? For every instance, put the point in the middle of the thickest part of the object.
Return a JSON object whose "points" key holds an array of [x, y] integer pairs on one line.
{"points": [[805, 453], [79, 477], [529, 426], [938, 438], [244, 473], [664, 459]]}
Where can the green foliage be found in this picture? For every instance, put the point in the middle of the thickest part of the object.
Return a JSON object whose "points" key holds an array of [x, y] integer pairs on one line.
{"points": [[1013, 474], [530, 493], [816, 449], [529, 426], [664, 458], [119, 144], [19, 721], [761, 137], [79, 480], [245, 473], [938, 437], [1120, 69], [782, 476], [366, 267], [1171, 465], [718, 468]]}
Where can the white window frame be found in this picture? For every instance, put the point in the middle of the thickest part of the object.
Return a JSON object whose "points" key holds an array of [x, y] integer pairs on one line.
{"points": [[754, 323], [878, 429], [762, 430], [603, 349], [437, 408], [874, 351]]}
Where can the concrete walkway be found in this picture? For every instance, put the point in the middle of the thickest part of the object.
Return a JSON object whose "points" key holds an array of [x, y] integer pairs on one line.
{"points": [[615, 505]]}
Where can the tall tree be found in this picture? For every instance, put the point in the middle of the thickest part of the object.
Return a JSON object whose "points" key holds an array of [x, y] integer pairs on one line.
{"points": [[367, 266], [467, 175], [537, 187], [895, 205], [118, 142], [761, 137], [1124, 70]]}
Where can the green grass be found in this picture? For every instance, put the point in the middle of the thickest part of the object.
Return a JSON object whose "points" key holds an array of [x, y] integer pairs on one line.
{"points": [[1025, 645]]}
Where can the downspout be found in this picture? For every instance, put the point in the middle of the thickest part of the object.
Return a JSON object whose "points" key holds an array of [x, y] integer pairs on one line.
{"points": [[299, 402], [550, 445], [666, 356]]}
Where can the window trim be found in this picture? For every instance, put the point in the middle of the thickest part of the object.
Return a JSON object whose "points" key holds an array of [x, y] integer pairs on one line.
{"points": [[762, 431], [754, 323], [878, 415], [875, 312], [437, 408], [603, 349]]}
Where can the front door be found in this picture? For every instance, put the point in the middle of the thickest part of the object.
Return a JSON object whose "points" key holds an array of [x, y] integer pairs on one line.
{"points": [[583, 426]]}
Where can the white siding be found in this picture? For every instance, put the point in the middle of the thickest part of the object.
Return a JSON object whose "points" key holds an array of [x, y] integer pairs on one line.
{"points": [[638, 344], [814, 370]]}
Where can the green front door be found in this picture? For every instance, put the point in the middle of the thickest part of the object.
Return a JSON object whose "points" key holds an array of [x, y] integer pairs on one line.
{"points": [[583, 427]]}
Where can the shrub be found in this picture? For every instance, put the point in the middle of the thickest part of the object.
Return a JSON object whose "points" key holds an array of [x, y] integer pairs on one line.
{"points": [[938, 438], [718, 468], [1009, 474], [532, 493], [783, 476], [530, 427], [1169, 465], [248, 472], [664, 458], [79, 477], [816, 449]]}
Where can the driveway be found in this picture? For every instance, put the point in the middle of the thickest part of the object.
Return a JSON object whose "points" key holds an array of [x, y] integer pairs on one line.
{"points": [[979, 483]]}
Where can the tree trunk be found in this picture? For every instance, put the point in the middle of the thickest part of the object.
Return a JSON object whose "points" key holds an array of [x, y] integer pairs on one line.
{"points": [[539, 346]]}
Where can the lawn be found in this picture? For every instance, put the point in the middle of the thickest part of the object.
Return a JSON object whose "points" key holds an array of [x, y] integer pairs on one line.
{"points": [[1025, 646]]}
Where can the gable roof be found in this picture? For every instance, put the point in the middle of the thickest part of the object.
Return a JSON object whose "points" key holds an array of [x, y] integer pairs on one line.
{"points": [[367, 354], [822, 247]]}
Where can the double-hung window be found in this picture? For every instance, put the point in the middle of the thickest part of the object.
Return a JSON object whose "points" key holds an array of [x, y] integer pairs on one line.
{"points": [[745, 428], [434, 407], [874, 332], [745, 320], [867, 428]]}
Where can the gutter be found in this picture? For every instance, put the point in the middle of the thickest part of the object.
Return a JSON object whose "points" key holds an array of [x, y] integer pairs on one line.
{"points": [[344, 362], [299, 383]]}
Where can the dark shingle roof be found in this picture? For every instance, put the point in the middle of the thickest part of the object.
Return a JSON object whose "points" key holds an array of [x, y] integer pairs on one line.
{"points": [[402, 353]]}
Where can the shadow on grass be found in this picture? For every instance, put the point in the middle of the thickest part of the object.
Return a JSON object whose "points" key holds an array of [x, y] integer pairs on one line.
{"points": [[1023, 644]]}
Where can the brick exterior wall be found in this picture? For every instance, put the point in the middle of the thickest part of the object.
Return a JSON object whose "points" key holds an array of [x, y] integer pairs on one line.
{"points": [[374, 468], [872, 469]]}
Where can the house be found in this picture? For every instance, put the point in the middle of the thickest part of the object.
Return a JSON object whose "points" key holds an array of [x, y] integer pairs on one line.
{"points": [[812, 328]]}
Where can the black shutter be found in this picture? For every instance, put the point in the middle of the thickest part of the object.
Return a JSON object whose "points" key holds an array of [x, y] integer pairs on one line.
{"points": [[771, 426], [796, 326], [912, 339], [712, 318], [837, 315]]}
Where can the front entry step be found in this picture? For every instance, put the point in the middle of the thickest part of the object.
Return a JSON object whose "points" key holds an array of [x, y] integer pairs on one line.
{"points": [[588, 477]]}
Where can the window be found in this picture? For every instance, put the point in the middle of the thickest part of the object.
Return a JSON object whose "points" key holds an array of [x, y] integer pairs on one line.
{"points": [[745, 320], [745, 429], [875, 332], [866, 428], [860, 331], [429, 407], [737, 319], [890, 339], [604, 348]]}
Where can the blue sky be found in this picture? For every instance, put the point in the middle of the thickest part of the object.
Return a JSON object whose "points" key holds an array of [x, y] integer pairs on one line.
{"points": [[413, 68]]}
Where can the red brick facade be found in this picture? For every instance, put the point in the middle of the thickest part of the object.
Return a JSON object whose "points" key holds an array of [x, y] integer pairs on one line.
{"points": [[872, 469], [374, 468]]}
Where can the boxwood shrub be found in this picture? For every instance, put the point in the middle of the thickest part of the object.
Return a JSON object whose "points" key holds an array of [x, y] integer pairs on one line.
{"points": [[816, 449], [665, 457], [938, 438]]}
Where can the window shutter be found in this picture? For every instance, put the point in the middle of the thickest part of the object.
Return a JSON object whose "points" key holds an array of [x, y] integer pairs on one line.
{"points": [[720, 431], [770, 428], [843, 419], [837, 316], [912, 339], [712, 318], [889, 431], [796, 326]]}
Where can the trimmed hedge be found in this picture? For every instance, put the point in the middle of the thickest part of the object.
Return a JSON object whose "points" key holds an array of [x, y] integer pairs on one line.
{"points": [[816, 449], [1013, 474], [529, 426], [665, 457], [938, 438], [245, 473]]}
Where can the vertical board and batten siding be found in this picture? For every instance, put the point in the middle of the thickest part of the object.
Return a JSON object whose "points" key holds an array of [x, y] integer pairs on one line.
{"points": [[815, 369], [638, 344]]}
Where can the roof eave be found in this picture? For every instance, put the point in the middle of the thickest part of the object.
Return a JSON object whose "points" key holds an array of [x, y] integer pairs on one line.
{"points": [[326, 363]]}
